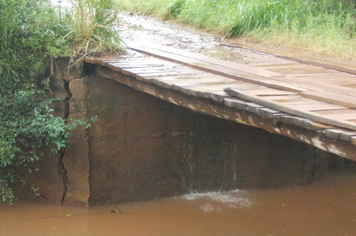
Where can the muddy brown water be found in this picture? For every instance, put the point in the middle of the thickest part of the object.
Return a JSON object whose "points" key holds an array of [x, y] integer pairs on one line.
{"points": [[326, 207]]}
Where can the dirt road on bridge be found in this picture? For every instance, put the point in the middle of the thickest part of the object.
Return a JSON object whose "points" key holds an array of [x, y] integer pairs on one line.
{"points": [[142, 29]]}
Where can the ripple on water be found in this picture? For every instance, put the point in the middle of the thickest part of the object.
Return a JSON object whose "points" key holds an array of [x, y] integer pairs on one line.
{"points": [[228, 199]]}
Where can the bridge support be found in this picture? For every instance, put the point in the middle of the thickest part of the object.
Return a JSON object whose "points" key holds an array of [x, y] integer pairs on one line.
{"points": [[142, 147]]}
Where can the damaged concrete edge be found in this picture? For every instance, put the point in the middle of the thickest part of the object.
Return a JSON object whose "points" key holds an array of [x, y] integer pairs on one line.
{"points": [[70, 191], [86, 82], [62, 171]]}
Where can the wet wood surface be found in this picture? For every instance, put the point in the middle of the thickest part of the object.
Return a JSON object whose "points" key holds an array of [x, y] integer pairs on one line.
{"points": [[320, 101], [349, 67]]}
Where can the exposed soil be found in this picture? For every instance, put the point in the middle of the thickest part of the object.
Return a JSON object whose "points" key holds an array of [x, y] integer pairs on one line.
{"points": [[142, 29]]}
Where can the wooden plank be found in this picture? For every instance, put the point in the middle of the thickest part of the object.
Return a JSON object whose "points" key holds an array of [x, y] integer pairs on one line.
{"points": [[133, 66], [288, 85], [306, 70], [336, 112], [341, 134], [292, 99], [169, 71], [350, 117], [188, 81], [316, 61], [218, 96], [154, 65], [316, 85], [272, 82], [301, 122], [148, 70], [154, 69], [176, 77], [316, 106], [200, 83], [205, 59], [139, 64], [331, 76], [194, 93], [129, 58], [279, 65], [248, 86], [333, 81], [353, 140], [268, 112], [207, 88], [165, 73], [253, 107], [316, 75], [309, 124], [268, 92], [297, 121], [332, 97], [346, 135], [235, 103], [289, 109], [193, 86], [160, 83]]}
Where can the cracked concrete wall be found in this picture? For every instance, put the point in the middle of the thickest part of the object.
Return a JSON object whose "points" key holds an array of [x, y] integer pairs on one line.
{"points": [[73, 164], [142, 147], [134, 145], [76, 159], [63, 178]]}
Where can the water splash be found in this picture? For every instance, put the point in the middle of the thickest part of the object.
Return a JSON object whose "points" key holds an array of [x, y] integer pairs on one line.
{"points": [[229, 199]]}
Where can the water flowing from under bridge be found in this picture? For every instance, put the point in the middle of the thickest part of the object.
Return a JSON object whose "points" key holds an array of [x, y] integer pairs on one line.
{"points": [[326, 207]]}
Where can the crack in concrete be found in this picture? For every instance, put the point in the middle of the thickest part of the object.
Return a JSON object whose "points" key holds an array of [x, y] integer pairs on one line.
{"points": [[66, 100], [61, 170]]}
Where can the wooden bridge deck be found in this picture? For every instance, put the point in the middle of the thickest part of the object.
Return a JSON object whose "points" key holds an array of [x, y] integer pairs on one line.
{"points": [[309, 103]]}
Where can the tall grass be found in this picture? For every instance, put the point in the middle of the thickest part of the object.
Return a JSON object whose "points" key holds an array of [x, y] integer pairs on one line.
{"points": [[93, 21], [323, 26]]}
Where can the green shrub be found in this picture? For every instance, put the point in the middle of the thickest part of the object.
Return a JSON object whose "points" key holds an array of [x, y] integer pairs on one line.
{"points": [[34, 33]]}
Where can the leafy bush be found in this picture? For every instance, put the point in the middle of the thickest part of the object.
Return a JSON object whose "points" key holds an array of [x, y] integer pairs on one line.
{"points": [[33, 35], [31, 32]]}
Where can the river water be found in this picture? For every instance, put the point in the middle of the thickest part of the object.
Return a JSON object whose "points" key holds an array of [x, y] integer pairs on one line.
{"points": [[327, 207]]}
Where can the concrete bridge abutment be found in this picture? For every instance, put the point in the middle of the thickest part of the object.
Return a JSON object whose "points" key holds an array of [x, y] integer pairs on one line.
{"points": [[142, 147]]}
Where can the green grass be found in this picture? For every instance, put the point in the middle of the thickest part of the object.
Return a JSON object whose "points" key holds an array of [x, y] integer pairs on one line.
{"points": [[93, 22], [326, 27]]}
